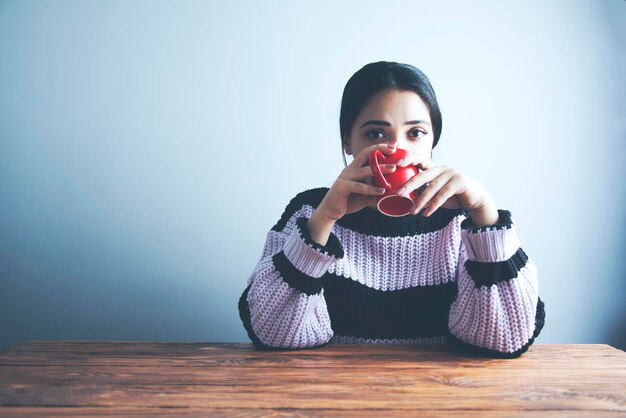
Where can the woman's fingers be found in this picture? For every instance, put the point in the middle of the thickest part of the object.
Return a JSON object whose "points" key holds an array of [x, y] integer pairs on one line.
{"points": [[434, 177], [445, 193], [364, 189], [422, 178], [365, 172], [362, 158], [423, 163], [444, 183], [434, 195]]}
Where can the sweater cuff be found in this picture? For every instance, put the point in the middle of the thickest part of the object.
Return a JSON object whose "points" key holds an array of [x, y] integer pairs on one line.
{"points": [[490, 243], [307, 255]]}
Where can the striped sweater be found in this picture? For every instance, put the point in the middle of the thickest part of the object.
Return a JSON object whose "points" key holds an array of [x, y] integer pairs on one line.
{"points": [[413, 279]]}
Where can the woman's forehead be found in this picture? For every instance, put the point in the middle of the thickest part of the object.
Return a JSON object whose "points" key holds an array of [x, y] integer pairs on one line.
{"points": [[395, 106]]}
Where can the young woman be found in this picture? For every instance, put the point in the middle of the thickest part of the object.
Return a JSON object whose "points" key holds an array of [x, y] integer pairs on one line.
{"points": [[335, 269]]}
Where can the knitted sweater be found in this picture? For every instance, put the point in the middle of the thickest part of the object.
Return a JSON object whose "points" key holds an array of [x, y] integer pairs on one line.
{"points": [[412, 279]]}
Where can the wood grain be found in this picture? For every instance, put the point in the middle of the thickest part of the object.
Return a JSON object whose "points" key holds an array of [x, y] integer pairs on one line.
{"points": [[95, 378]]}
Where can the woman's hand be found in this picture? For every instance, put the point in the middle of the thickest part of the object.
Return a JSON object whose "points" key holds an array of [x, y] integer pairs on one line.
{"points": [[449, 188], [350, 193]]}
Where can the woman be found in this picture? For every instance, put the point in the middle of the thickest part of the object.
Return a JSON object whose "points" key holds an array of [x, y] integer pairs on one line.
{"points": [[334, 269]]}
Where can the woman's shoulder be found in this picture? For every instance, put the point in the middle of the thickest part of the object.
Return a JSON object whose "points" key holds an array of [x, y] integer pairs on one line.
{"points": [[310, 197]]}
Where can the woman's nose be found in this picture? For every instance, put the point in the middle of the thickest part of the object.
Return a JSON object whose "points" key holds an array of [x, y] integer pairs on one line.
{"points": [[395, 141]]}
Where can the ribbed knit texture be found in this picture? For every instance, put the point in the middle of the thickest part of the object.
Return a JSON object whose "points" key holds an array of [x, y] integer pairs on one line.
{"points": [[389, 280]]}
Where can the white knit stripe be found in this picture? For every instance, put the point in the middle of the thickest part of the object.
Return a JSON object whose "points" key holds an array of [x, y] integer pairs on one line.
{"points": [[275, 241], [320, 326], [500, 317], [305, 258], [491, 246], [381, 262], [284, 317], [344, 339]]}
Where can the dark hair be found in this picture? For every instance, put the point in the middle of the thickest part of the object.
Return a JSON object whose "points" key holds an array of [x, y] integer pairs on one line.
{"points": [[379, 76]]}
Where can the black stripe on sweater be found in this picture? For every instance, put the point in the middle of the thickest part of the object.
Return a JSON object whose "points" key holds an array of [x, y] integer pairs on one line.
{"points": [[357, 310], [295, 278], [485, 352], [370, 221], [488, 274], [312, 197], [360, 311], [504, 222], [244, 314], [333, 246]]}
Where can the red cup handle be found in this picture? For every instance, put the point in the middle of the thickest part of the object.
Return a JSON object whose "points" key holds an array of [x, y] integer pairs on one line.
{"points": [[376, 168]]}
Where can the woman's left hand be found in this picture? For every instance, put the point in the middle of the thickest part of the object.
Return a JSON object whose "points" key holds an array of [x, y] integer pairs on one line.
{"points": [[448, 188]]}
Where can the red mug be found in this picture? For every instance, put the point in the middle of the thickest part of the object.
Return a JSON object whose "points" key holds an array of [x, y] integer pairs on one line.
{"points": [[391, 203]]}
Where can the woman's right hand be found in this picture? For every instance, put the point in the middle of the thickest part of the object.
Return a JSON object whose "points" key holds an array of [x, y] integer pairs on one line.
{"points": [[350, 193]]}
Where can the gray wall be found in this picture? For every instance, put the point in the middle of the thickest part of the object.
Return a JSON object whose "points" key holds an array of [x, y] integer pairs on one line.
{"points": [[146, 148]]}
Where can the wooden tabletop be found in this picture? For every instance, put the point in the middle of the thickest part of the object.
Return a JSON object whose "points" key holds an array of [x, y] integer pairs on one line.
{"points": [[95, 378]]}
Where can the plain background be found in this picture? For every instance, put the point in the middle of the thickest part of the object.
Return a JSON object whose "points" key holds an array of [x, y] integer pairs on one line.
{"points": [[146, 148]]}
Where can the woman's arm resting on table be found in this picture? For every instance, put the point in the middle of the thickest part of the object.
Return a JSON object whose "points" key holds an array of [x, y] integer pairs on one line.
{"points": [[497, 312], [283, 305]]}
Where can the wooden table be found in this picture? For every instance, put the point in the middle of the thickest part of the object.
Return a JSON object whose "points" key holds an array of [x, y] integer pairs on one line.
{"points": [[94, 378]]}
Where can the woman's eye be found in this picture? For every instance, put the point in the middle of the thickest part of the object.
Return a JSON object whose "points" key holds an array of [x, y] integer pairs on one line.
{"points": [[378, 134], [416, 133], [372, 134]]}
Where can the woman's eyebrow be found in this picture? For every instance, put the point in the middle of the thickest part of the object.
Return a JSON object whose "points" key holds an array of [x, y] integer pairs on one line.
{"points": [[385, 123]]}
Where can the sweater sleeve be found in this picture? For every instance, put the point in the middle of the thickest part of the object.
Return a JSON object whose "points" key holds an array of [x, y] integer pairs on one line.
{"points": [[283, 306], [497, 311]]}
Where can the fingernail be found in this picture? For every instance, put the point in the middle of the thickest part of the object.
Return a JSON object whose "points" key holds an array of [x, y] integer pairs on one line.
{"points": [[390, 166], [391, 146], [400, 162]]}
